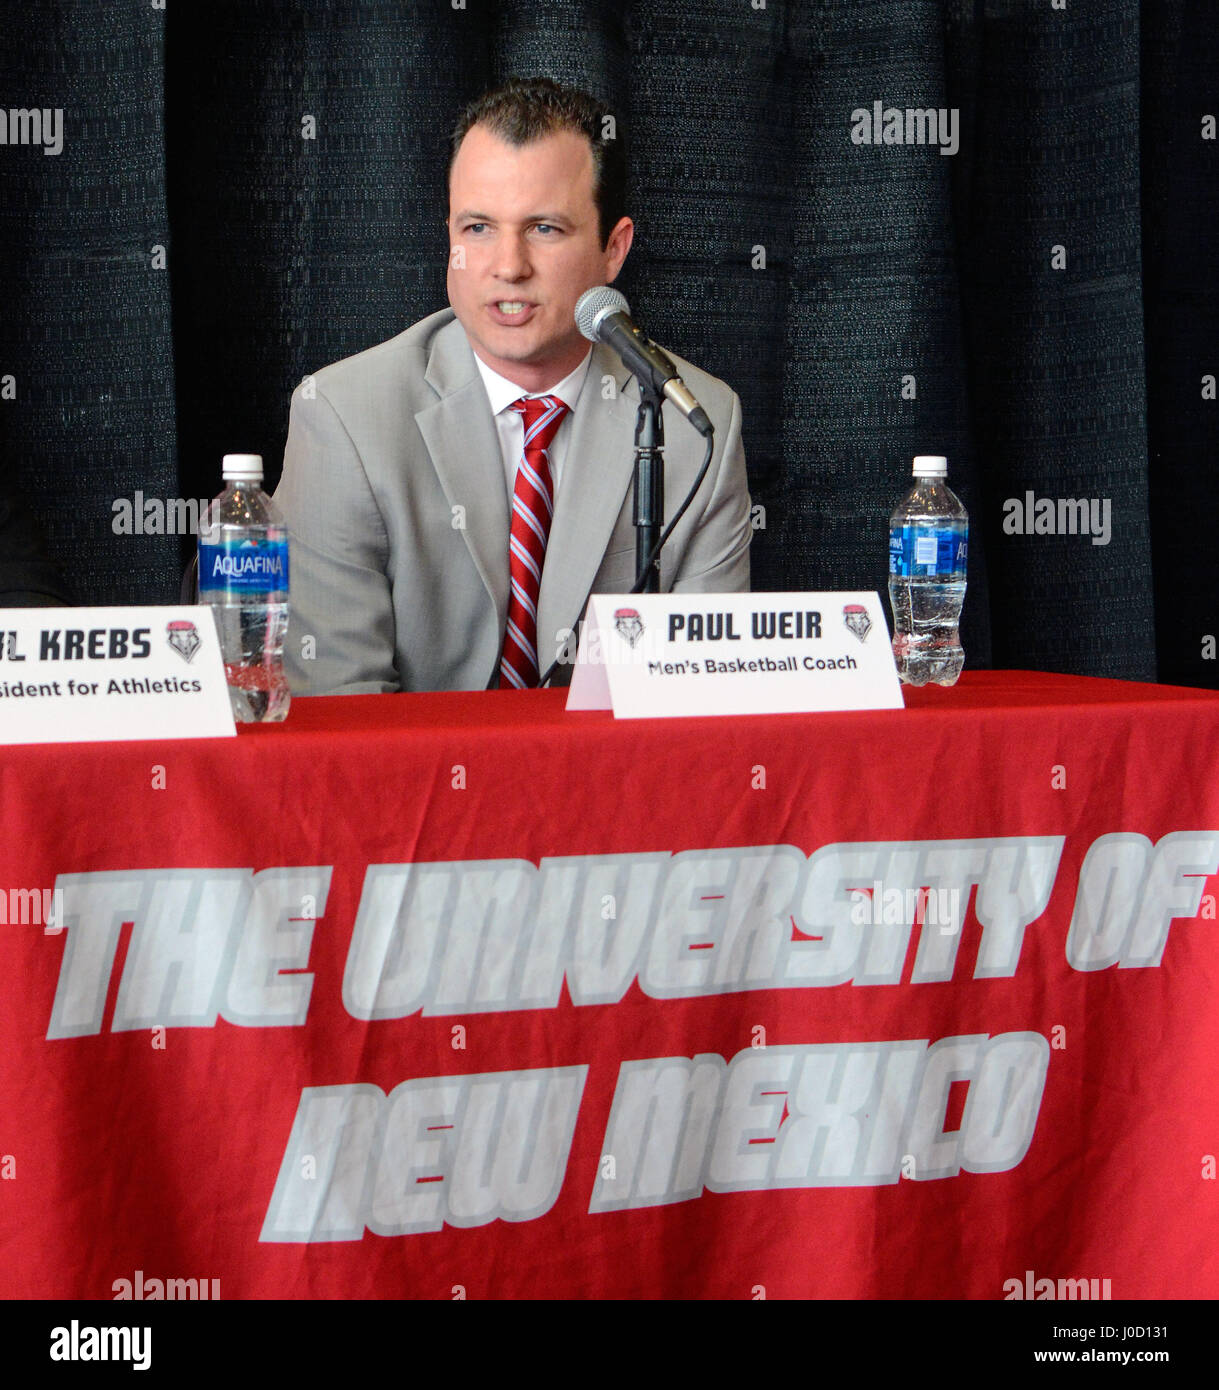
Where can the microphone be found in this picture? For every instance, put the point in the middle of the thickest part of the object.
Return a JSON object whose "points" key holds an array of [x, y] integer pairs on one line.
{"points": [[603, 315]]}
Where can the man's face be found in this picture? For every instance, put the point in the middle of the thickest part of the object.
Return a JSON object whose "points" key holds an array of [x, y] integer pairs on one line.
{"points": [[525, 243]]}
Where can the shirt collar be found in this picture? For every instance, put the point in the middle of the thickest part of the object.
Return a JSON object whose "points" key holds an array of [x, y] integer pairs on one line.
{"points": [[501, 392]]}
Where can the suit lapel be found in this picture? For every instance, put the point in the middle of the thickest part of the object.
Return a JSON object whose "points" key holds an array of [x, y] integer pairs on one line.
{"points": [[462, 441], [597, 472], [461, 438]]}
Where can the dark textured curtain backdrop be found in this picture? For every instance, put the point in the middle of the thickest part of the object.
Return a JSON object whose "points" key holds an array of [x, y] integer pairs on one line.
{"points": [[250, 189]]}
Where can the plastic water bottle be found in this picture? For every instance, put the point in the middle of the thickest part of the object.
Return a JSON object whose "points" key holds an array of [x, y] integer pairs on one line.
{"points": [[928, 544], [243, 574]]}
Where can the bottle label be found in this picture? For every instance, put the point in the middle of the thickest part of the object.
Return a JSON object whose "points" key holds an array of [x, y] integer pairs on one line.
{"points": [[927, 551], [248, 567]]}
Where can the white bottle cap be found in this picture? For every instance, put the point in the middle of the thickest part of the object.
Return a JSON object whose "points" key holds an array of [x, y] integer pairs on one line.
{"points": [[240, 467], [930, 466]]}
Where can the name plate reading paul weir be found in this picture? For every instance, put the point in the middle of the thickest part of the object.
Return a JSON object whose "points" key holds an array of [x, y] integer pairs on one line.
{"points": [[659, 655], [85, 675]]}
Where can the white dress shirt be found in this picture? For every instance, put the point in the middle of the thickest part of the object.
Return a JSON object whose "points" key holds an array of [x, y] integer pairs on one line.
{"points": [[511, 426]]}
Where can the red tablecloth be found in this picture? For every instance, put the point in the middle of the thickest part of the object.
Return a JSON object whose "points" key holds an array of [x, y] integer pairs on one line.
{"points": [[435, 996]]}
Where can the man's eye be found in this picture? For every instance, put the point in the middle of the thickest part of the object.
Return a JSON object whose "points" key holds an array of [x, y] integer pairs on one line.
{"points": [[545, 227], [476, 227]]}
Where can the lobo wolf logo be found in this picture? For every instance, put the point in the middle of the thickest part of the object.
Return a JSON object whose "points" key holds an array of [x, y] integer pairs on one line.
{"points": [[183, 638], [629, 624], [855, 615]]}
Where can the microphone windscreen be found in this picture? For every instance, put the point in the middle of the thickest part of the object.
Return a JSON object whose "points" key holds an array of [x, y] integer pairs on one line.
{"points": [[594, 304]]}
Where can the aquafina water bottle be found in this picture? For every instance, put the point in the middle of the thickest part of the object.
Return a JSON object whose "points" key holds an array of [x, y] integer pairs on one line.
{"points": [[243, 575], [928, 545]]}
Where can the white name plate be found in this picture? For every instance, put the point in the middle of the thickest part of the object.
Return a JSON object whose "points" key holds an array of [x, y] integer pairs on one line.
{"points": [[659, 655], [84, 675]]}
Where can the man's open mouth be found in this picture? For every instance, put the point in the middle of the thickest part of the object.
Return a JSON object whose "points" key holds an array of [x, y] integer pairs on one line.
{"points": [[510, 311]]}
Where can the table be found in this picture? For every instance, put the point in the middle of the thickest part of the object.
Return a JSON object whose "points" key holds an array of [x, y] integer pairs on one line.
{"points": [[447, 996]]}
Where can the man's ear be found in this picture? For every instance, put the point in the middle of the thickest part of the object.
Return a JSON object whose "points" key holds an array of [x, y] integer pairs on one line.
{"points": [[616, 248]]}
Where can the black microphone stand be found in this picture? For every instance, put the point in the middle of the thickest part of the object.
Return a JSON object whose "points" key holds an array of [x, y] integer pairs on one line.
{"points": [[649, 505]]}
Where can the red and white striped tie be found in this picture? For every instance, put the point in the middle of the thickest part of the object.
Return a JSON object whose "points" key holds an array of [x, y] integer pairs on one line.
{"points": [[532, 509]]}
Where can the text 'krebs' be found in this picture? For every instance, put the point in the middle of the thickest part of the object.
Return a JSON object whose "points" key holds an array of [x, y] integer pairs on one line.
{"points": [[75, 644]]}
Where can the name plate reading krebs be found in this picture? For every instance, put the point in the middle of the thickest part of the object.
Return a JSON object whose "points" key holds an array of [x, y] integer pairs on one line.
{"points": [[84, 675], [658, 655]]}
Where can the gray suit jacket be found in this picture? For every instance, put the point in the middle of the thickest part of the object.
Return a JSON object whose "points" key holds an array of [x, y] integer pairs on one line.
{"points": [[393, 491]]}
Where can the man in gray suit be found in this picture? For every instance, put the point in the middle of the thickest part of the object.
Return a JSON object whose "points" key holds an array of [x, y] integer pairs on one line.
{"points": [[405, 467]]}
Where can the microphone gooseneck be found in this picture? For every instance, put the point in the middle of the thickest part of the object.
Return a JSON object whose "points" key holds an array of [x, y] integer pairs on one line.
{"points": [[603, 315]]}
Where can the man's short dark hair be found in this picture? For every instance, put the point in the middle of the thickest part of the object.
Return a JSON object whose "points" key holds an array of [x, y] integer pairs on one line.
{"points": [[529, 108]]}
